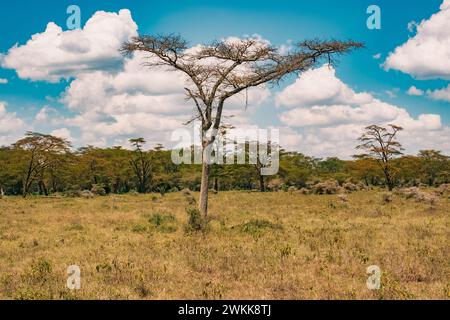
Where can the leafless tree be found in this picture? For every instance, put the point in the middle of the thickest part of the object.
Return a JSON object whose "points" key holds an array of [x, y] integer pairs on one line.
{"points": [[220, 70], [381, 145]]}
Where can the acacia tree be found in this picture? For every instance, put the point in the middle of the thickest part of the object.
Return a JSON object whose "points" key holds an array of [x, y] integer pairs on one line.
{"points": [[434, 163], [41, 152], [218, 71], [141, 165], [381, 144]]}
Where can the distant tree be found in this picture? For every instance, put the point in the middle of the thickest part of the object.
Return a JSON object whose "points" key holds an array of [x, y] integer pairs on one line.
{"points": [[41, 152], [141, 165], [381, 144], [434, 164], [364, 169], [220, 70]]}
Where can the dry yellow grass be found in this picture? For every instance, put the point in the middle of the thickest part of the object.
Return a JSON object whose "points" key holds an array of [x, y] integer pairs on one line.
{"points": [[260, 246]]}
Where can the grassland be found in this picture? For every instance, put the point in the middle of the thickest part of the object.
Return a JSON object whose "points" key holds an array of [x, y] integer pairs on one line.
{"points": [[260, 246]]}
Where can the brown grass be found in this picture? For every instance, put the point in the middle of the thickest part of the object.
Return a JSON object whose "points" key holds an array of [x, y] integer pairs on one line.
{"points": [[277, 245]]}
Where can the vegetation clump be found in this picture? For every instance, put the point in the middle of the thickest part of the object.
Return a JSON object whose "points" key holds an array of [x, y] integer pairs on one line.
{"points": [[326, 187], [255, 226], [163, 222], [196, 221]]}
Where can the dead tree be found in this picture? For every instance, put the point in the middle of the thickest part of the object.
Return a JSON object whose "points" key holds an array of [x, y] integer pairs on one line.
{"points": [[382, 146], [223, 69]]}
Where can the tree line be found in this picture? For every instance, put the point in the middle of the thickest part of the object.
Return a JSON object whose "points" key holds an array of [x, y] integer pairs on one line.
{"points": [[41, 164]]}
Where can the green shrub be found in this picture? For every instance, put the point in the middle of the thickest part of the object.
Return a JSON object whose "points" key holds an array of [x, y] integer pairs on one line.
{"points": [[163, 222], [98, 190], [196, 221], [255, 226]]}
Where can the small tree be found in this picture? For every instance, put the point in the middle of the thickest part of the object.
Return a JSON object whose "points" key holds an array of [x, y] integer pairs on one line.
{"points": [[141, 165], [381, 144], [41, 152], [223, 69], [434, 163]]}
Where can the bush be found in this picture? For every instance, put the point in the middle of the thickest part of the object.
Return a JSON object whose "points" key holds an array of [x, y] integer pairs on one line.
{"points": [[444, 189], [292, 189], [303, 191], [350, 187], [163, 222], [196, 221], [98, 190], [87, 194], [255, 226], [418, 195], [327, 187]]}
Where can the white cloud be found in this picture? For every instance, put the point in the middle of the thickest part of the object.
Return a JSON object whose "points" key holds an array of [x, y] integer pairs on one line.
{"points": [[3, 81], [440, 94], [392, 93], [427, 54], [413, 91], [377, 56], [319, 86], [8, 120], [10, 126], [55, 54], [62, 133], [139, 101], [331, 128]]}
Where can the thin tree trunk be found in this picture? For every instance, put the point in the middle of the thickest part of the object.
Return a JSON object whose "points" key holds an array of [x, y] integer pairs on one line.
{"points": [[204, 189], [262, 187], [216, 184]]}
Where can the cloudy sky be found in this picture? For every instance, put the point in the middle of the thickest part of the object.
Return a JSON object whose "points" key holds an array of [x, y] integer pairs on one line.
{"points": [[75, 84]]}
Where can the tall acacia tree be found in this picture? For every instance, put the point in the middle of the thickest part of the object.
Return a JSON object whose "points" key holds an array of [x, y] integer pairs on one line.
{"points": [[218, 71], [381, 144], [41, 151], [141, 165]]}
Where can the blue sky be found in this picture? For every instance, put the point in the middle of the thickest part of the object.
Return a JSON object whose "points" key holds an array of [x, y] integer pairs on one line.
{"points": [[202, 21]]}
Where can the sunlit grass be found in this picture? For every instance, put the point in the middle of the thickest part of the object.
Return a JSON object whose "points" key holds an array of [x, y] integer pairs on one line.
{"points": [[259, 246]]}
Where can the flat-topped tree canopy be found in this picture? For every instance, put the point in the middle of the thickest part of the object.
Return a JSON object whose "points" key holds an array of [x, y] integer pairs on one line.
{"points": [[224, 68], [221, 69]]}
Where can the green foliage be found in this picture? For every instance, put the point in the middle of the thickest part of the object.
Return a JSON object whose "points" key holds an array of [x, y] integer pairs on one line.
{"points": [[118, 171], [98, 190], [163, 222], [255, 226], [196, 221]]}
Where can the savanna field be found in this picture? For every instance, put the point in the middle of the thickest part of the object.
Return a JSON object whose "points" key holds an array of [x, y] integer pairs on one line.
{"points": [[275, 245]]}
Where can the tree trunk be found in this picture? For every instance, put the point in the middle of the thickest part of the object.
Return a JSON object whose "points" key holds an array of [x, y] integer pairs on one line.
{"points": [[262, 187], [204, 189], [216, 184]]}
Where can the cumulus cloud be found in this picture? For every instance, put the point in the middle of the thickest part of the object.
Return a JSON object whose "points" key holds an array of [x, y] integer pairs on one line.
{"points": [[329, 124], [3, 81], [413, 91], [56, 54], [440, 94], [8, 120], [427, 54], [62, 133], [10, 125], [319, 86], [139, 101]]}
